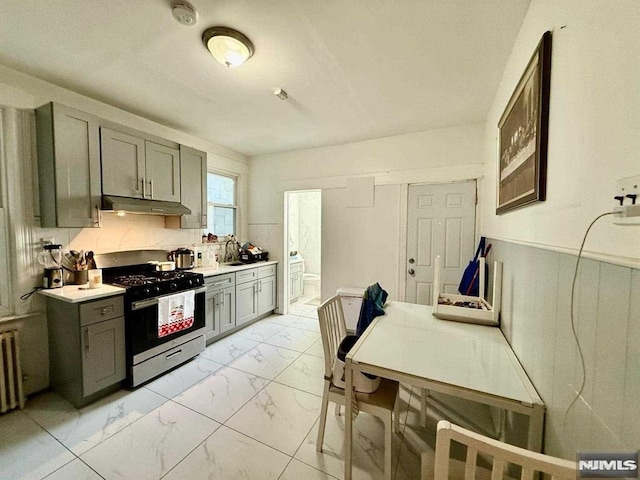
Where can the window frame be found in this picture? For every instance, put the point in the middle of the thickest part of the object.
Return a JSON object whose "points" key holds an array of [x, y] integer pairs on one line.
{"points": [[6, 307], [233, 206]]}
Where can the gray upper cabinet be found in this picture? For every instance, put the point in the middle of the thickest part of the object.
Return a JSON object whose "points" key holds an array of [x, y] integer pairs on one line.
{"points": [[139, 168], [68, 167], [163, 172], [193, 185], [123, 164]]}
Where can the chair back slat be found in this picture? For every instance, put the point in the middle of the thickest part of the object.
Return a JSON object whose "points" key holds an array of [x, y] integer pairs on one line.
{"points": [[470, 467], [527, 473], [332, 329], [498, 469], [502, 453]]}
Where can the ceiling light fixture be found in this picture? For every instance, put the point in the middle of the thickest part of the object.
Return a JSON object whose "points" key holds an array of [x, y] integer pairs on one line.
{"points": [[229, 47]]}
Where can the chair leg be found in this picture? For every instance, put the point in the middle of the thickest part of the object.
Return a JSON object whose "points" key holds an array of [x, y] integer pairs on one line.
{"points": [[387, 446], [323, 420], [338, 406], [396, 413], [424, 393]]}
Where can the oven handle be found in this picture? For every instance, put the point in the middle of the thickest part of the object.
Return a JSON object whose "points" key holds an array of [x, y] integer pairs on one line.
{"points": [[150, 302]]}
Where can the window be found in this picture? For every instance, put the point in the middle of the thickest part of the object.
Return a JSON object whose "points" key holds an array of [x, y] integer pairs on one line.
{"points": [[222, 207]]}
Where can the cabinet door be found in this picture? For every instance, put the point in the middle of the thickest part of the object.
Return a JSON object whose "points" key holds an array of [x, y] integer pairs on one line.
{"points": [[293, 295], [266, 295], [193, 187], [103, 357], [162, 172], [227, 309], [212, 314], [123, 164], [299, 284], [246, 302], [68, 144]]}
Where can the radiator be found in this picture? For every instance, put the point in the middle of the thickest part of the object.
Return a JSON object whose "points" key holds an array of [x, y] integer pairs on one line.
{"points": [[11, 393]]}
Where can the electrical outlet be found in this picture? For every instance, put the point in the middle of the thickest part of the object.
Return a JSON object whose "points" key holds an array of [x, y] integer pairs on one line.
{"points": [[627, 201]]}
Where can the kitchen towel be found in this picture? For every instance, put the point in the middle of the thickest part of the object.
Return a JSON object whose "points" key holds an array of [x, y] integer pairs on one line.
{"points": [[175, 312]]}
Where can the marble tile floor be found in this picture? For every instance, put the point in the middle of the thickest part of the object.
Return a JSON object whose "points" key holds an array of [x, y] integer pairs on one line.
{"points": [[247, 408]]}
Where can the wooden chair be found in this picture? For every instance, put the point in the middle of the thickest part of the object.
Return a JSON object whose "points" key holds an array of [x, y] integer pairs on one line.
{"points": [[380, 403], [502, 454]]}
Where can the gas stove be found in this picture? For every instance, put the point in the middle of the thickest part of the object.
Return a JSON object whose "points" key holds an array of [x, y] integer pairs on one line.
{"points": [[142, 282]]}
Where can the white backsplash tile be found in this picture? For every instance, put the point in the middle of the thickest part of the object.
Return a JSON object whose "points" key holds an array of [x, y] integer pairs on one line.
{"points": [[131, 232]]}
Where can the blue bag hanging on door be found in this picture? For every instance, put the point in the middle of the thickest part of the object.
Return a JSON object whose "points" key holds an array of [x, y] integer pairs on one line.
{"points": [[470, 282]]}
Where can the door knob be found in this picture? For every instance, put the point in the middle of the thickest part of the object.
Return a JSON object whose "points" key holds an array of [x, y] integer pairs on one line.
{"points": [[411, 260], [411, 271]]}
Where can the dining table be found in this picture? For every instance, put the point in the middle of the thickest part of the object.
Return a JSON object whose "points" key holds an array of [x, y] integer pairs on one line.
{"points": [[470, 361]]}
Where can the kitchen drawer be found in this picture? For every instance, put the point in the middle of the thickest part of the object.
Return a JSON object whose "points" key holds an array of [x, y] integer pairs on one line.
{"points": [[220, 281], [295, 268], [149, 368], [245, 276], [100, 310], [267, 271]]}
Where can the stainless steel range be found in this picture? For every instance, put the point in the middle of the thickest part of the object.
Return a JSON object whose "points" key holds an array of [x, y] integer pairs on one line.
{"points": [[164, 313]]}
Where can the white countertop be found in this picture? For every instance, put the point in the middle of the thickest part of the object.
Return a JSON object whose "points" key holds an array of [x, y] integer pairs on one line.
{"points": [[226, 268], [81, 293]]}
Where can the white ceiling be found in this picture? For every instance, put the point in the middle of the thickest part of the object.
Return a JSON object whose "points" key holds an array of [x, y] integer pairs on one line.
{"points": [[353, 69]]}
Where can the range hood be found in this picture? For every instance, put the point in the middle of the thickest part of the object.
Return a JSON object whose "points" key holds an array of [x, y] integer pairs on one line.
{"points": [[138, 205]]}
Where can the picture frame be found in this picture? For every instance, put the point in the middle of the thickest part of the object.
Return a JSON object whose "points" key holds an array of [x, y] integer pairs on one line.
{"points": [[523, 132]]}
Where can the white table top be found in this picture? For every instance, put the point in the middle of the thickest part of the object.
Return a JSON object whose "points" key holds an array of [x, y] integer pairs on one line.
{"points": [[409, 340]]}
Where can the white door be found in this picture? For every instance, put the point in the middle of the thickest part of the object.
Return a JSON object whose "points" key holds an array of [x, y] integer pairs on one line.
{"points": [[440, 221]]}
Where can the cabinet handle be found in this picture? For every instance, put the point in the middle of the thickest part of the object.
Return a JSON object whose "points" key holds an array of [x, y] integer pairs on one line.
{"points": [[86, 339], [222, 297], [144, 187], [260, 286], [103, 311], [96, 216], [171, 355], [151, 185]]}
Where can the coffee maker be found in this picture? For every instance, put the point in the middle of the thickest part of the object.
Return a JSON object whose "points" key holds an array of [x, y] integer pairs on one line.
{"points": [[50, 258]]}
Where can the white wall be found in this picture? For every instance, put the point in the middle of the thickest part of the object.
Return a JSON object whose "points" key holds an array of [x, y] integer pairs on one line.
{"points": [[594, 139], [370, 235], [594, 125]]}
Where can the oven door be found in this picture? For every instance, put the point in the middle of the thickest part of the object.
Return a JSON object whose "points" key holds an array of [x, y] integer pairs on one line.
{"points": [[142, 327]]}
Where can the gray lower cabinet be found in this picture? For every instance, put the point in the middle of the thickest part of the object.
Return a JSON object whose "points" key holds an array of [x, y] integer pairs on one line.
{"points": [[246, 302], [68, 143], [86, 347], [221, 305], [295, 281], [138, 168], [255, 293], [266, 289]]}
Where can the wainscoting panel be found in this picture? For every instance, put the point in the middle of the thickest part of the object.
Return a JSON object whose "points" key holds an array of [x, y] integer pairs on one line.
{"points": [[536, 319]]}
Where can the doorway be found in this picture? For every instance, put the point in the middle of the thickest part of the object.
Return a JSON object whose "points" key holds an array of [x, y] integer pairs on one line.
{"points": [[440, 221], [303, 238]]}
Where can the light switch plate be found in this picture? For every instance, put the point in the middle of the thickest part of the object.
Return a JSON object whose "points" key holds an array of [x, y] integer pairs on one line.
{"points": [[624, 187]]}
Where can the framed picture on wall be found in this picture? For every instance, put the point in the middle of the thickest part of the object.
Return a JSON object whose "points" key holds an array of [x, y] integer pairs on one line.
{"points": [[523, 135]]}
